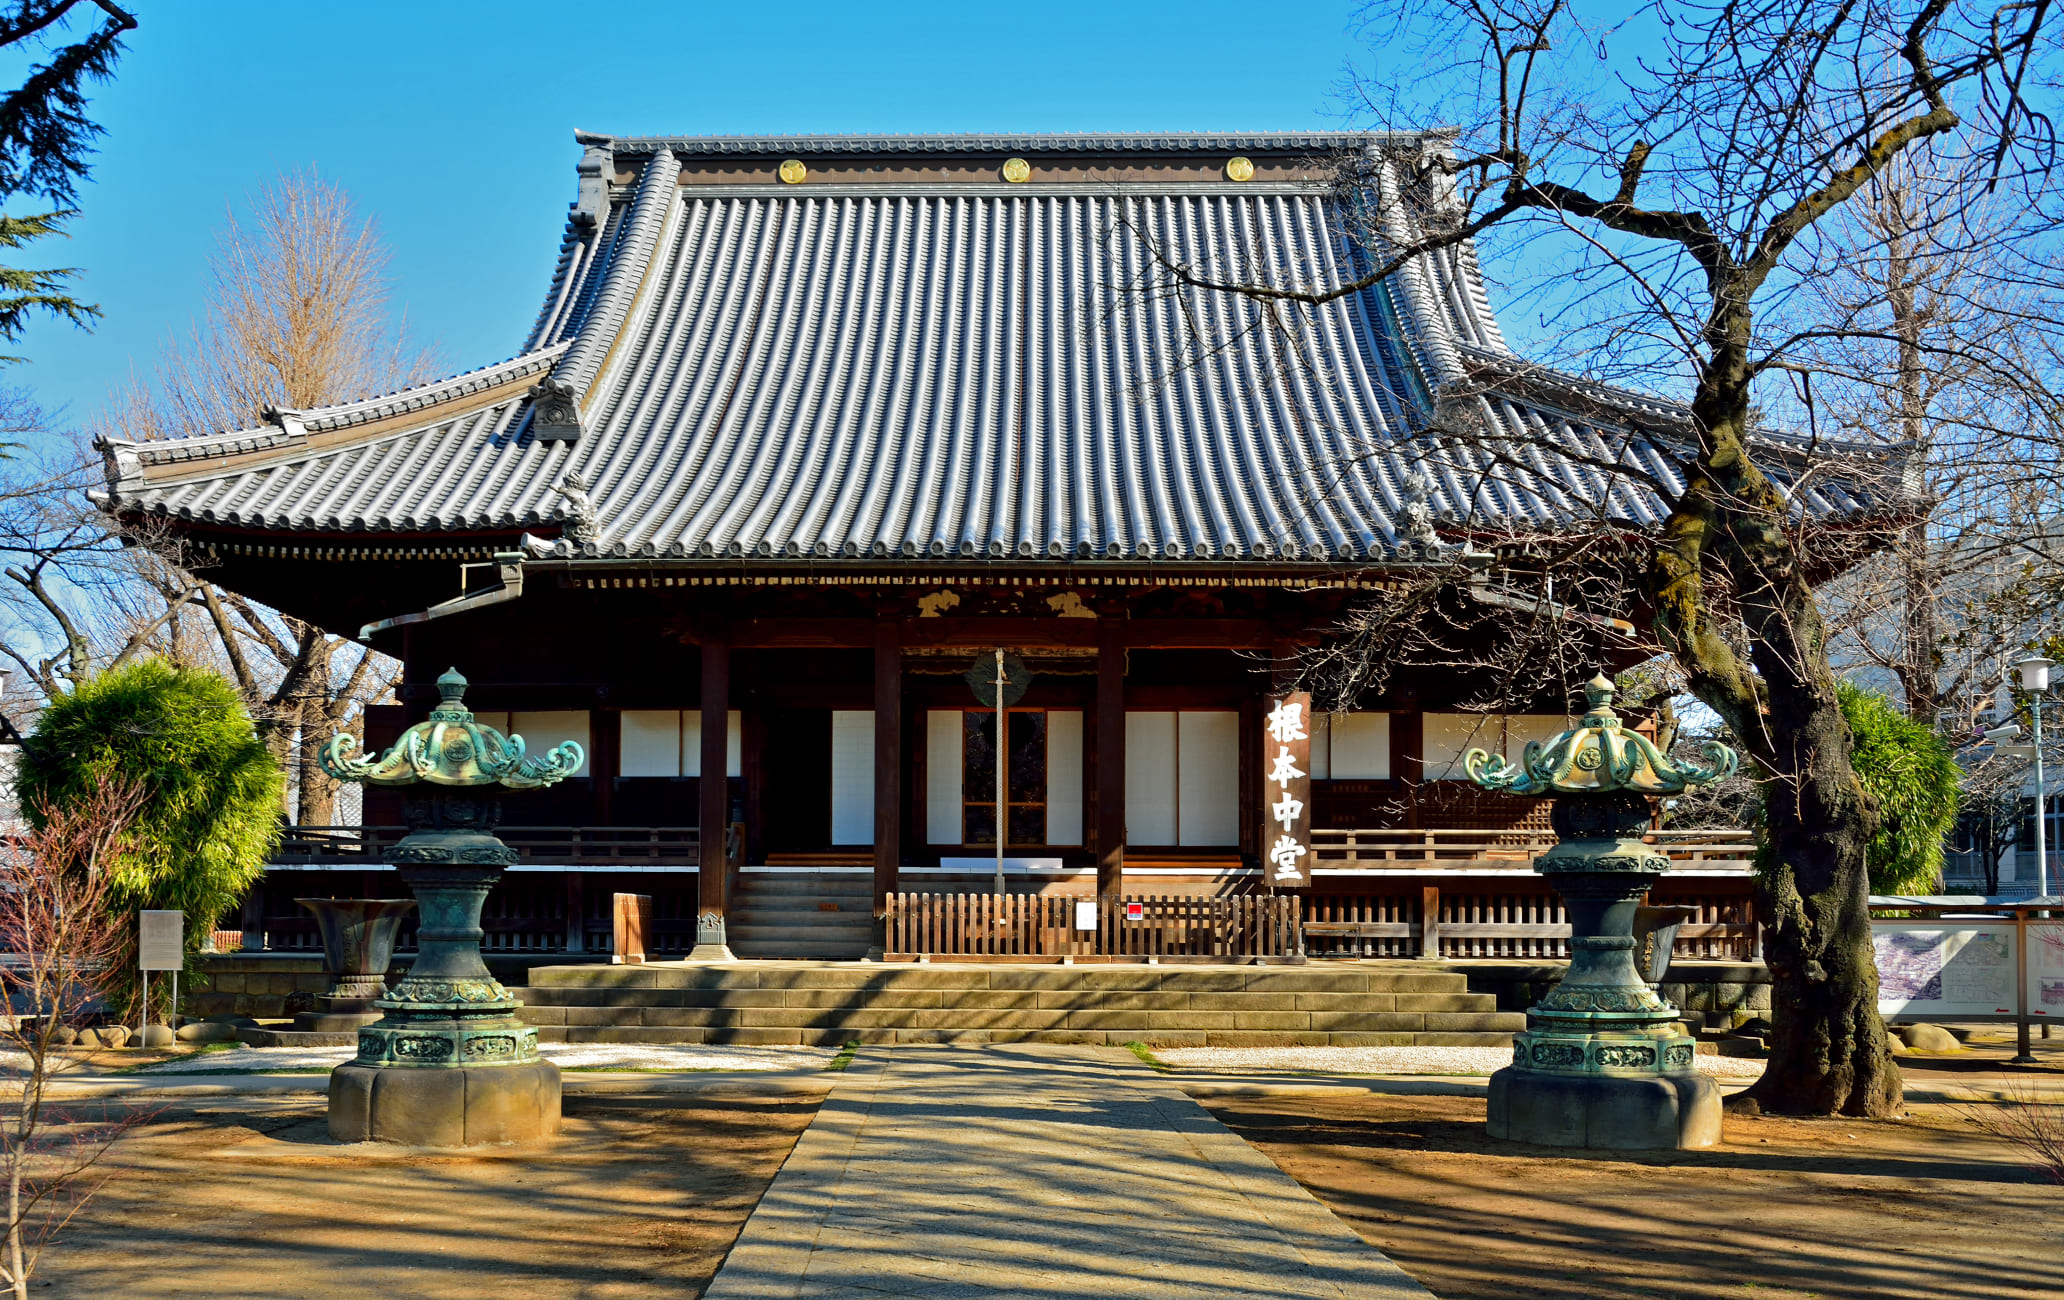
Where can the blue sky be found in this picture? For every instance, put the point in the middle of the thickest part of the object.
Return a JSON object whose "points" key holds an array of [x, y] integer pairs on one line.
{"points": [[452, 125]]}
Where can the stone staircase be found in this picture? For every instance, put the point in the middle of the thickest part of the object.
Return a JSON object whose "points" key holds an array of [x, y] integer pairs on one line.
{"points": [[827, 915], [776, 1003]]}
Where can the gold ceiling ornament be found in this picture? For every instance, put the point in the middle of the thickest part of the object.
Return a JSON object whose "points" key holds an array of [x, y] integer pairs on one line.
{"points": [[1240, 168], [793, 172], [1016, 170]]}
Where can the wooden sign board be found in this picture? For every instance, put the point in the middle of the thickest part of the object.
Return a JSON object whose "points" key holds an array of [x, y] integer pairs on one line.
{"points": [[1286, 791], [160, 940]]}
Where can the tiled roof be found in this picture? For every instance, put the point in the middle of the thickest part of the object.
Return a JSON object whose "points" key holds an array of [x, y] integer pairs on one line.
{"points": [[907, 369]]}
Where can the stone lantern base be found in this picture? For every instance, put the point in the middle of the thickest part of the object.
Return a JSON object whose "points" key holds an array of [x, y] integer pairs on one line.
{"points": [[452, 1107], [1657, 1112]]}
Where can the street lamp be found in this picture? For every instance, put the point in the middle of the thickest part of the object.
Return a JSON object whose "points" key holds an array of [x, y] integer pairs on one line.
{"points": [[2034, 671]]}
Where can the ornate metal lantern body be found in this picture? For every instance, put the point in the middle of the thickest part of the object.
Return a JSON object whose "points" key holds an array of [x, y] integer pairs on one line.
{"points": [[449, 1063], [1603, 1061]]}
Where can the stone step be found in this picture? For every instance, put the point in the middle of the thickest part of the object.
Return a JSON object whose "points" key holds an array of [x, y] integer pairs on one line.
{"points": [[1022, 1018], [1314, 979], [754, 1036], [1009, 999], [761, 884]]}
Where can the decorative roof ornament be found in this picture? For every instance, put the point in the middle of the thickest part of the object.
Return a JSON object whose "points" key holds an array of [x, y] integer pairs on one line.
{"points": [[451, 748], [581, 522], [1239, 168], [1016, 170], [1598, 756], [793, 171], [1418, 514], [555, 411]]}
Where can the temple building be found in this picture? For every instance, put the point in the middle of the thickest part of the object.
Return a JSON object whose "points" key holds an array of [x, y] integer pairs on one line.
{"points": [[807, 429]]}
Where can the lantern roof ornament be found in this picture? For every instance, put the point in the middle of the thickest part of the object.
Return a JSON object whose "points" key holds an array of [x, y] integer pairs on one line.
{"points": [[451, 748], [1598, 756]]}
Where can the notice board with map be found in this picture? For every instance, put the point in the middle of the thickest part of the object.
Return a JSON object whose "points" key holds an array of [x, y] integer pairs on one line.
{"points": [[1948, 968]]}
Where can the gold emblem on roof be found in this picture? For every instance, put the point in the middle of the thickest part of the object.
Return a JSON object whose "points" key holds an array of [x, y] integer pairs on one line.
{"points": [[1240, 169], [1017, 169], [793, 172]]}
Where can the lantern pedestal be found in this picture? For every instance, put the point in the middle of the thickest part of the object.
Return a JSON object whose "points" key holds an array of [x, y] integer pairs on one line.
{"points": [[358, 945], [1603, 1061], [449, 1063]]}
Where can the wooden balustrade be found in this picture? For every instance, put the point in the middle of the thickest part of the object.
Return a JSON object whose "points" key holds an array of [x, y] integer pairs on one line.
{"points": [[1035, 927], [1476, 923], [1717, 850]]}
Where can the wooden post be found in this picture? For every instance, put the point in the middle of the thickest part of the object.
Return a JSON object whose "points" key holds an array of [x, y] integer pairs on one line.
{"points": [[712, 942], [888, 771], [576, 912], [1429, 922], [1110, 750]]}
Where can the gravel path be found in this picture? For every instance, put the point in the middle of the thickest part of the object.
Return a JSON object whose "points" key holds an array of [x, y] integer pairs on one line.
{"points": [[1391, 1060], [589, 1056]]}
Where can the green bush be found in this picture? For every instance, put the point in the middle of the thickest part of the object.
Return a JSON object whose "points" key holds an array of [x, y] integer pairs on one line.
{"points": [[1908, 772], [213, 792]]}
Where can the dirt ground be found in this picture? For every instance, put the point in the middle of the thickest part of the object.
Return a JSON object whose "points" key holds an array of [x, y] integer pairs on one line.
{"points": [[1925, 1207], [245, 1196]]}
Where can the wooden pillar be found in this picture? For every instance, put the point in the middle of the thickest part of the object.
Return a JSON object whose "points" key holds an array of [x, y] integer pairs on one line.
{"points": [[1407, 763], [712, 942], [576, 912], [888, 769], [1110, 755]]}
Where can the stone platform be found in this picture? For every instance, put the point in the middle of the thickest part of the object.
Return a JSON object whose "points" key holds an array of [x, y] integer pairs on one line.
{"points": [[1350, 1003]]}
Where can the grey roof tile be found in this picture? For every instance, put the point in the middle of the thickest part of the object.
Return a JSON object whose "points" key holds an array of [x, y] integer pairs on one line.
{"points": [[942, 371]]}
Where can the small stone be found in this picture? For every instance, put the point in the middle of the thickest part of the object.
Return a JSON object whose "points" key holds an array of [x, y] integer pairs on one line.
{"points": [[1929, 1038], [154, 1036], [208, 1031], [89, 1038], [64, 1035], [113, 1035]]}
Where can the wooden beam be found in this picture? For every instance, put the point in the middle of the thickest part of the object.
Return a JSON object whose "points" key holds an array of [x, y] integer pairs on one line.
{"points": [[888, 766], [712, 942], [1018, 632], [1110, 750]]}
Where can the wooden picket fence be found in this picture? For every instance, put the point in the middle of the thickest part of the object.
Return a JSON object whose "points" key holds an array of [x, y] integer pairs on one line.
{"points": [[1030, 927]]}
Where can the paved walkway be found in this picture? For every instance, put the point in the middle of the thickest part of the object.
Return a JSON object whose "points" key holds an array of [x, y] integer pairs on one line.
{"points": [[1014, 1173]]}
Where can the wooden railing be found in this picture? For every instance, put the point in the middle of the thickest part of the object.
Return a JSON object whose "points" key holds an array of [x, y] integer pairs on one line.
{"points": [[1476, 923], [1724, 850], [1033, 926], [571, 845]]}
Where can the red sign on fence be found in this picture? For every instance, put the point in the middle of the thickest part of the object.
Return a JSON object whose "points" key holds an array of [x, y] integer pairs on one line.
{"points": [[1135, 911], [1286, 791]]}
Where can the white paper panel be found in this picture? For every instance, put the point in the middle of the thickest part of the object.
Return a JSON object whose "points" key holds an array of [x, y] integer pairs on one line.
{"points": [[1150, 778], [942, 776], [1522, 727], [1322, 747], [543, 730], [852, 776], [691, 744], [1361, 747], [1208, 763], [1064, 776], [651, 743], [1450, 735]]}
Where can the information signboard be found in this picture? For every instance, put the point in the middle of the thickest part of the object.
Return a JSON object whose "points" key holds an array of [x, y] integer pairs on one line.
{"points": [[160, 940], [1286, 791], [1947, 968], [2045, 955]]}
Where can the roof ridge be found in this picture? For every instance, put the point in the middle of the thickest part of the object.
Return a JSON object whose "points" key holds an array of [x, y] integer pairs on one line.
{"points": [[947, 142], [289, 424]]}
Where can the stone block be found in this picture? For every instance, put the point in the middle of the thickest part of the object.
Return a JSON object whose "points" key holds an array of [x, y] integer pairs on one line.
{"points": [[1759, 994], [1308, 981], [1486, 1021], [1173, 1037], [1107, 1000], [1270, 1020], [1344, 1001], [1443, 1002], [1367, 1021], [473, 1106], [230, 982], [1673, 1112], [208, 1031]]}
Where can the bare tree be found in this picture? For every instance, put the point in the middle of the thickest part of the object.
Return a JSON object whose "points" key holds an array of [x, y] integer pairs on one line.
{"points": [[61, 936], [1682, 172]]}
